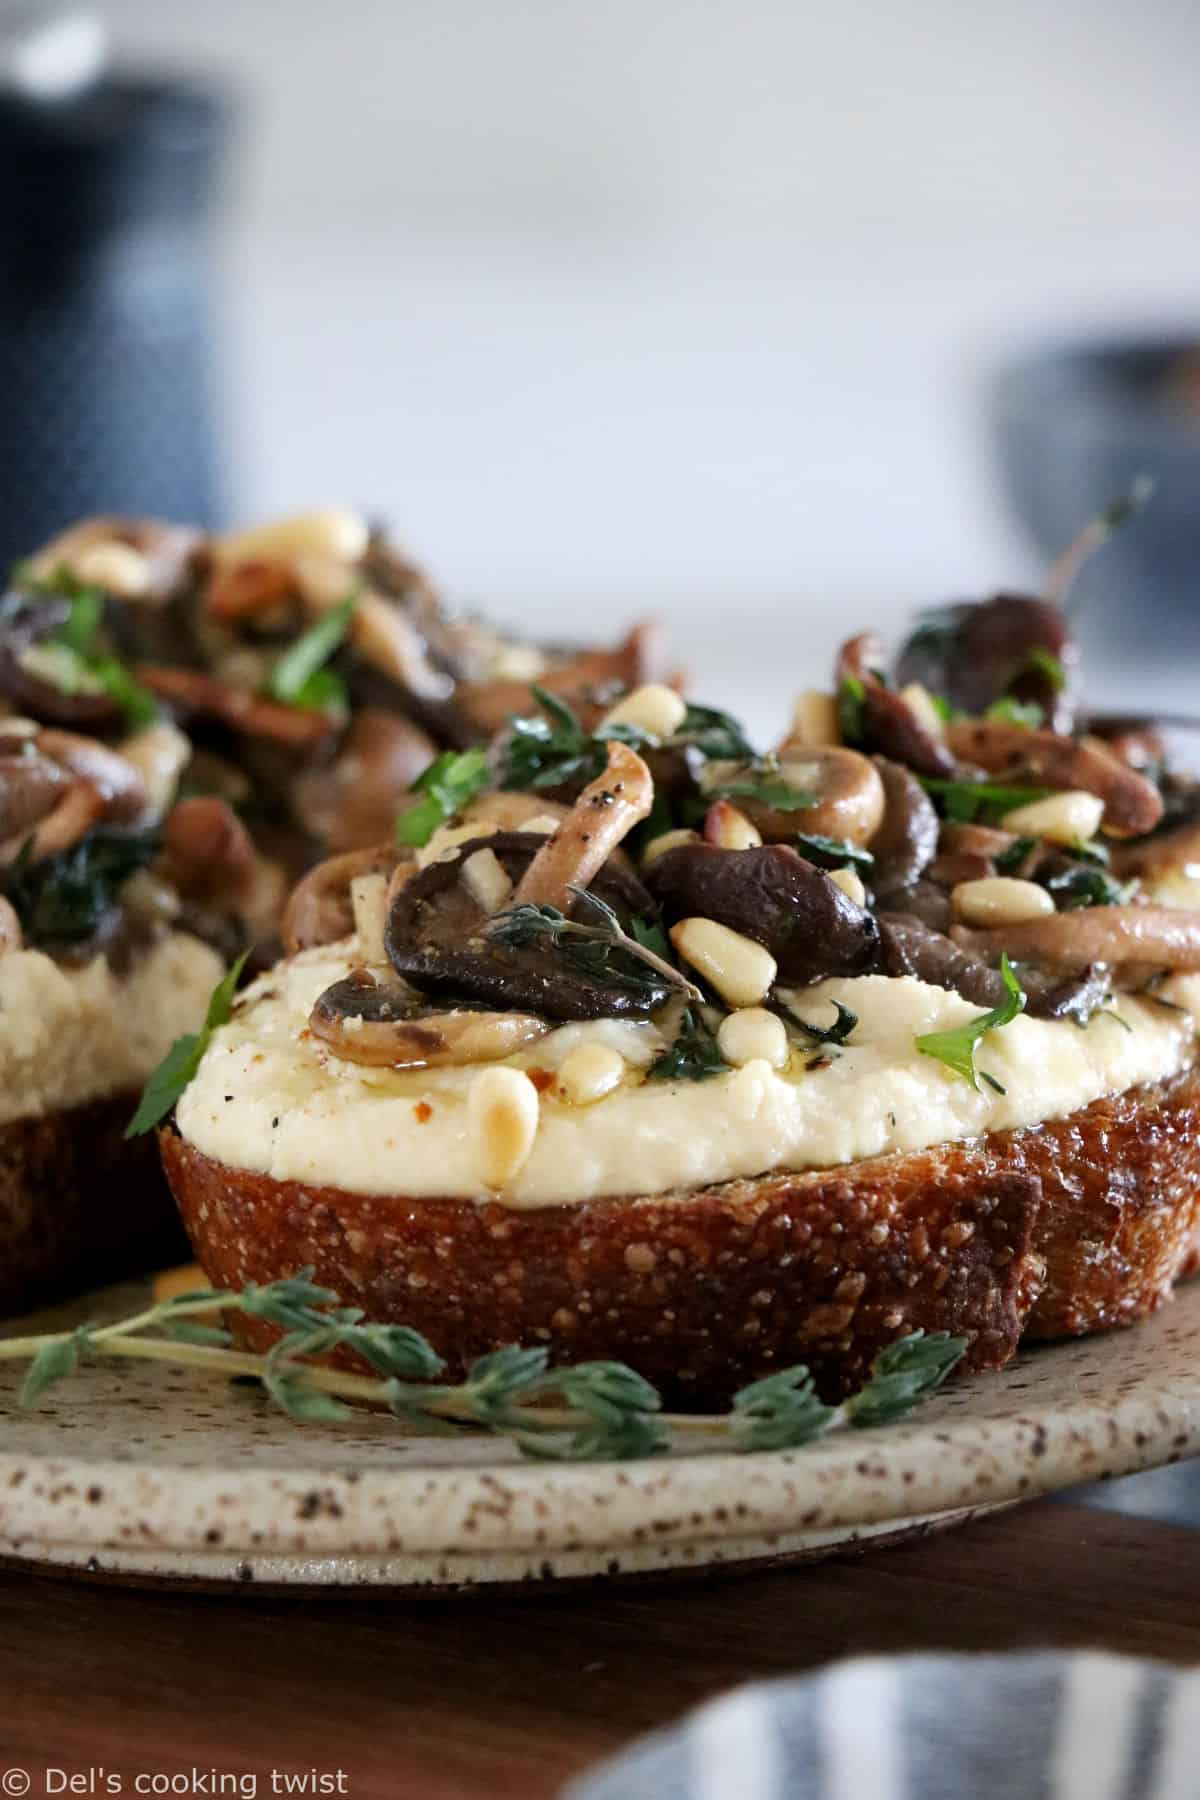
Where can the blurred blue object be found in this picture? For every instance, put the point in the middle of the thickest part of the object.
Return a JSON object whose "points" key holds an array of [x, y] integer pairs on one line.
{"points": [[105, 326], [1073, 428]]}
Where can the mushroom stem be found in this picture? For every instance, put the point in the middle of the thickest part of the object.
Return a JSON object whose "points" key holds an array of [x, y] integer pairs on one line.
{"points": [[604, 814], [1159, 937], [1132, 805]]}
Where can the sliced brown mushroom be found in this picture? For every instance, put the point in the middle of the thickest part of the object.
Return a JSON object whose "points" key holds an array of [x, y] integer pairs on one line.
{"points": [[1158, 937], [637, 659], [114, 778], [436, 938], [1132, 805], [907, 839], [30, 785], [353, 800], [70, 819], [912, 948], [977, 652], [192, 692], [847, 795], [209, 853], [320, 910], [605, 813], [774, 896], [890, 727], [384, 1025]]}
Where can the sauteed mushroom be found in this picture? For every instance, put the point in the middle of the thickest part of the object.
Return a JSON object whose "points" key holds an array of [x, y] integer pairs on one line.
{"points": [[774, 896], [1158, 937], [637, 659], [847, 795], [191, 691], [604, 814], [981, 651], [354, 799], [320, 910], [889, 725], [384, 1025], [907, 839], [1132, 805]]}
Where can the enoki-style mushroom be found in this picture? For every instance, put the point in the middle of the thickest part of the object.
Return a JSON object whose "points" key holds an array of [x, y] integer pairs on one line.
{"points": [[1132, 805], [606, 812], [384, 1025], [1160, 937]]}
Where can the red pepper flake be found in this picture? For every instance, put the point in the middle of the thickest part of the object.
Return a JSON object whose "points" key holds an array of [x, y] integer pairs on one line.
{"points": [[541, 1078], [423, 1111]]}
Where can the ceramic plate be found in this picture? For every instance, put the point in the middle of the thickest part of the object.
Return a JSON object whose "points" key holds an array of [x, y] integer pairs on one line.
{"points": [[145, 1471]]}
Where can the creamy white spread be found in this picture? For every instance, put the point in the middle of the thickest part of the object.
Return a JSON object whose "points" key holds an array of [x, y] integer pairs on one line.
{"points": [[270, 1098], [71, 1035]]}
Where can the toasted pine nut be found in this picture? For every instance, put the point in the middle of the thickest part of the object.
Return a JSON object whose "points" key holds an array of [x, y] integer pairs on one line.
{"points": [[814, 721], [444, 843], [160, 754], [751, 1034], [740, 970], [487, 880], [368, 897], [589, 1072], [919, 701], [114, 566], [332, 531], [668, 840], [502, 1112], [1000, 900], [1068, 818], [729, 828], [654, 708], [850, 883]]}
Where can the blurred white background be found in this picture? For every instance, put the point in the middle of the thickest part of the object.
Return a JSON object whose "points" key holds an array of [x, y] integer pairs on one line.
{"points": [[662, 300]]}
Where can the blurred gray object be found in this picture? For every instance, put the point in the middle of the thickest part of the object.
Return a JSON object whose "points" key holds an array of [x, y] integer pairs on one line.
{"points": [[1061, 1727], [1073, 428], [106, 184]]}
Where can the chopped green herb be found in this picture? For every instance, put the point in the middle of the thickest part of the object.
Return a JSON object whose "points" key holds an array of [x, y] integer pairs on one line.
{"points": [[450, 782], [1040, 661], [1010, 711], [832, 852], [593, 946], [956, 1047], [693, 1056], [718, 736], [850, 709], [837, 1033], [556, 751], [765, 786], [63, 899], [1087, 884], [71, 659], [300, 677], [963, 800], [182, 1060], [1012, 858]]}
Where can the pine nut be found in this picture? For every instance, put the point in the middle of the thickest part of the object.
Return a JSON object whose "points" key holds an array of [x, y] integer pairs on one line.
{"points": [[920, 704], [116, 567], [1000, 900], [669, 840], [751, 1034], [729, 828], [814, 721], [160, 754], [589, 1072], [655, 709], [331, 531], [368, 897], [543, 823], [502, 1113], [1069, 818], [850, 883], [443, 845], [740, 970], [487, 880]]}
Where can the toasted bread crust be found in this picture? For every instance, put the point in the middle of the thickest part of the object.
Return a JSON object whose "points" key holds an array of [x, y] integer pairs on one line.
{"points": [[1071, 1226], [79, 1206]]}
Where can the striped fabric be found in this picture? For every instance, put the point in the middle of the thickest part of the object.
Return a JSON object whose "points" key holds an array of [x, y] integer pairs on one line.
{"points": [[1038, 1727]]}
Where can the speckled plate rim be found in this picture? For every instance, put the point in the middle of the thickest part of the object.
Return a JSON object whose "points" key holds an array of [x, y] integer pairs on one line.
{"points": [[951, 1455]]}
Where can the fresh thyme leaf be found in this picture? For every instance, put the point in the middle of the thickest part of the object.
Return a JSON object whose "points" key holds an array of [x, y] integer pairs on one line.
{"points": [[837, 1033], [1008, 710], [963, 801], [450, 782], [832, 852], [781, 1412], [55, 1360], [850, 709], [300, 677], [693, 1056], [65, 898], [903, 1374], [307, 1405], [182, 1060], [956, 1047], [651, 936], [593, 945]]}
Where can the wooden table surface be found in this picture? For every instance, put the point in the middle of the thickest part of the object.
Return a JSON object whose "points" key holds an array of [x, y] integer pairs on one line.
{"points": [[488, 1697]]}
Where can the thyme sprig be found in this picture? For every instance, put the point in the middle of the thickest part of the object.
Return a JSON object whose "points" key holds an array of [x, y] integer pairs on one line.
{"points": [[594, 1411], [518, 926]]}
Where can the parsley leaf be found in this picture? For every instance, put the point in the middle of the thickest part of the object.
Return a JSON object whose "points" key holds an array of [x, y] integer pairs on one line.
{"points": [[556, 751], [447, 785], [1040, 661], [693, 1056], [1008, 710], [300, 677], [966, 800], [718, 736], [956, 1047], [182, 1060], [835, 851], [850, 709]]}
